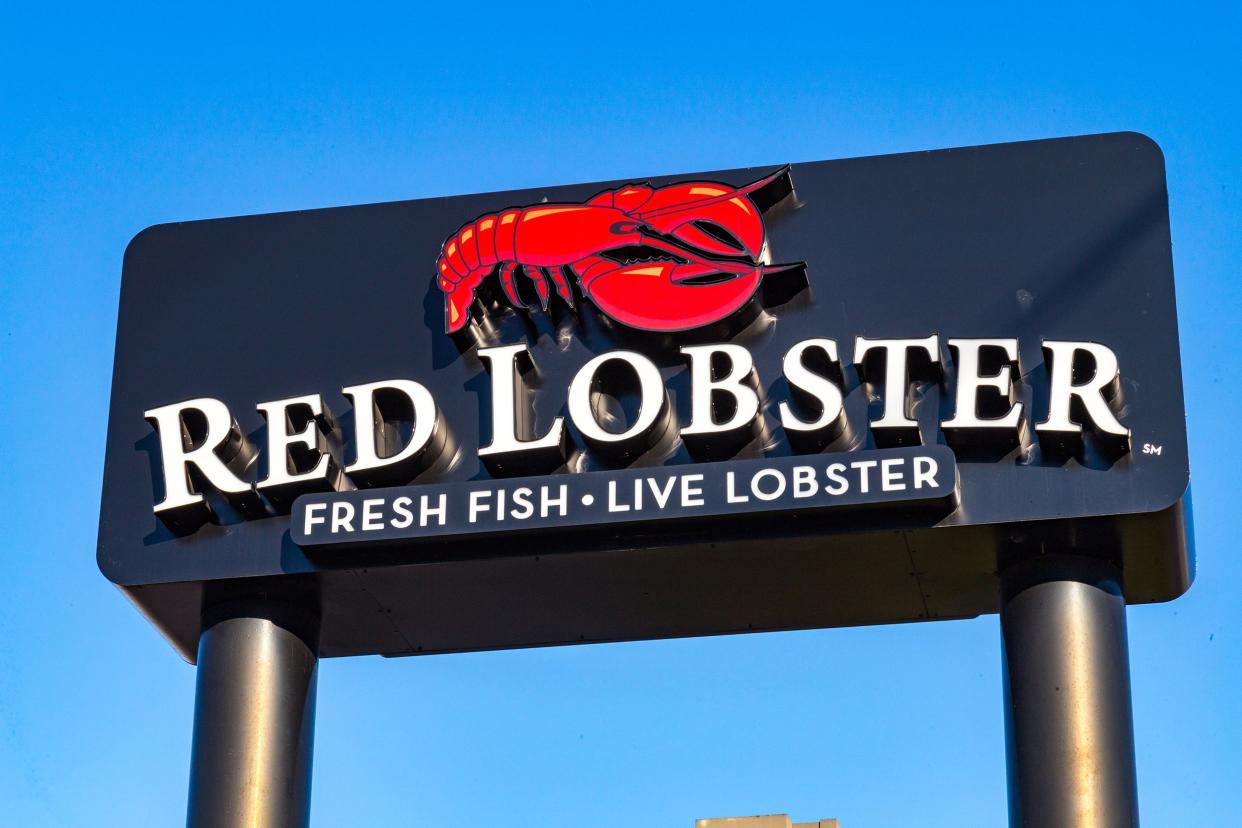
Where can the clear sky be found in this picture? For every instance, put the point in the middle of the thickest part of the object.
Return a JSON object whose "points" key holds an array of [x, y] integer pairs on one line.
{"points": [[113, 120]]}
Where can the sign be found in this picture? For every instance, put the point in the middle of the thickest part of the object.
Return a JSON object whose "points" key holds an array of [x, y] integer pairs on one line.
{"points": [[803, 395]]}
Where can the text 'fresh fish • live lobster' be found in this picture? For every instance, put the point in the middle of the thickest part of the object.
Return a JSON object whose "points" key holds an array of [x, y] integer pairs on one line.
{"points": [[654, 258]]}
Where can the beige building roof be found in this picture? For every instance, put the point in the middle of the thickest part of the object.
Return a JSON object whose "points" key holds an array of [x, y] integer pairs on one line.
{"points": [[773, 821]]}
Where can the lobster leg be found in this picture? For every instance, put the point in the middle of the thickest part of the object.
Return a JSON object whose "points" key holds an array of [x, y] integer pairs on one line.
{"points": [[562, 285], [541, 284], [506, 282]]}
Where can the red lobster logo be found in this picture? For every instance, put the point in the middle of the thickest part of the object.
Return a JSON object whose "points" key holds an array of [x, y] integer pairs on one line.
{"points": [[658, 259]]}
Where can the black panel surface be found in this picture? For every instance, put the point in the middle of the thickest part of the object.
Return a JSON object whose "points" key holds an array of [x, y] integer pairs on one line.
{"points": [[1059, 239]]}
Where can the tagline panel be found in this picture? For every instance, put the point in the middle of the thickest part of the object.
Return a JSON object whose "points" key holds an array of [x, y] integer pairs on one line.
{"points": [[803, 483]]}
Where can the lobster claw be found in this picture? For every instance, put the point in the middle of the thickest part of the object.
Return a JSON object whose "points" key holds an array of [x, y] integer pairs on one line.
{"points": [[731, 227], [713, 238], [667, 296], [710, 217]]}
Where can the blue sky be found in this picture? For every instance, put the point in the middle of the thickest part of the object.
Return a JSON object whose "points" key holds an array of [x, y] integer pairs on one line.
{"points": [[112, 120]]}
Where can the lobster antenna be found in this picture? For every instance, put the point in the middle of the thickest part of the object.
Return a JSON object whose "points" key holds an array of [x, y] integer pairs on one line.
{"points": [[743, 190]]}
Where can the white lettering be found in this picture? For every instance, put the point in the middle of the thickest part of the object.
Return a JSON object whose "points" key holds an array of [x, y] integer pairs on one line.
{"points": [[279, 440], [314, 517], [510, 413], [222, 434], [864, 468], [342, 517], [662, 495], [582, 409], [404, 516], [804, 484], [477, 506], [425, 513], [891, 477], [838, 484], [730, 495], [371, 427], [523, 508], [371, 518], [970, 381], [776, 492], [613, 504], [825, 391], [1094, 393], [561, 503], [703, 388], [897, 375], [691, 494]]}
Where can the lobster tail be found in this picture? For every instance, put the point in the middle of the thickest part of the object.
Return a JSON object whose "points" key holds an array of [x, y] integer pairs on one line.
{"points": [[468, 257]]}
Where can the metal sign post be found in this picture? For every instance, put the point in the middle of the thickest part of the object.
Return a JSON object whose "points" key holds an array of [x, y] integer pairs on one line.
{"points": [[1068, 722], [254, 720]]}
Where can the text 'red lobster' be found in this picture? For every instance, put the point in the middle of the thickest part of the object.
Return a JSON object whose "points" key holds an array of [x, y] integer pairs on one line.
{"points": [[660, 259]]}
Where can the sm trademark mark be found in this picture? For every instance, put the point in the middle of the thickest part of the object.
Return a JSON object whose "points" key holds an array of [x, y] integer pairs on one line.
{"points": [[1149, 448]]}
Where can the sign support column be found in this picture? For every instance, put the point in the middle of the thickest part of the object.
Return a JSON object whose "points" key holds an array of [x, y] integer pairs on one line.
{"points": [[1068, 721], [254, 719]]}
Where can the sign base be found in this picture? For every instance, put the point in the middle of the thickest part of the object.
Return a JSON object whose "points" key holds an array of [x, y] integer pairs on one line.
{"points": [[1068, 721], [254, 723]]}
